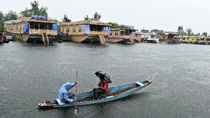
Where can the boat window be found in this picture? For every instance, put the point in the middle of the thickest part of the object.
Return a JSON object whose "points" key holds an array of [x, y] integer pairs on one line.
{"points": [[80, 28], [67, 28], [33, 25], [43, 26], [110, 33], [116, 33], [96, 28], [122, 32], [74, 28], [49, 26]]}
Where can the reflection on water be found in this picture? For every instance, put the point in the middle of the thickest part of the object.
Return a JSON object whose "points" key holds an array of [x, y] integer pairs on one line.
{"points": [[32, 73]]}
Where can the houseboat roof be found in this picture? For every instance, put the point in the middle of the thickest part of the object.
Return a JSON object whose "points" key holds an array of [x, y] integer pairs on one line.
{"points": [[29, 19], [8, 22], [84, 22], [117, 29]]}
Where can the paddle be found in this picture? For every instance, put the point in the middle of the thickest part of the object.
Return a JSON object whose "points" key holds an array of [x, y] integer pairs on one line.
{"points": [[75, 100]]}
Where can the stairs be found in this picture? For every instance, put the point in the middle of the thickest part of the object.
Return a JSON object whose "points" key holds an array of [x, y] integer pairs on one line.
{"points": [[44, 40], [102, 39]]}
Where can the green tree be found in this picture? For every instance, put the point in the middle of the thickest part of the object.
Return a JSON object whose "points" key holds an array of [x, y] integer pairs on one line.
{"points": [[35, 10], [11, 15], [205, 34], [157, 31], [189, 32], [1, 16], [180, 28], [96, 15], [86, 17], [65, 19], [1, 21], [181, 31]]}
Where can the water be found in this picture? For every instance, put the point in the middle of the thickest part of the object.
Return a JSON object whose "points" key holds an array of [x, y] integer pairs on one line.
{"points": [[32, 73]]}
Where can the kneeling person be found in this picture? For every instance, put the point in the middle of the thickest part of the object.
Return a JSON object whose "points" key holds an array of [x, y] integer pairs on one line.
{"points": [[64, 95]]}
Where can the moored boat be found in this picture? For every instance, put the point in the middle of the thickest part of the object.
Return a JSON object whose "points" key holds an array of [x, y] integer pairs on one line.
{"points": [[87, 31], [116, 92], [33, 29], [170, 38], [121, 35]]}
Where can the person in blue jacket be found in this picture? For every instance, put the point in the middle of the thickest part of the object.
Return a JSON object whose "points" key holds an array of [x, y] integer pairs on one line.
{"points": [[64, 95]]}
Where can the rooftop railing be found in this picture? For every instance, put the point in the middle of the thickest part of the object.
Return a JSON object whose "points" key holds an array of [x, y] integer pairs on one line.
{"points": [[44, 31]]}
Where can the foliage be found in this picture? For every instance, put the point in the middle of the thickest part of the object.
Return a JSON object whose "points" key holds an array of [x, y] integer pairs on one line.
{"points": [[1, 21], [180, 28], [35, 10], [115, 25], [11, 15], [65, 19], [205, 34], [96, 15], [86, 17], [158, 31], [189, 32], [181, 31], [1, 15]]}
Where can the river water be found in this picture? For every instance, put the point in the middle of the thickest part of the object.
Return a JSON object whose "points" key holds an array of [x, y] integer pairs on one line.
{"points": [[32, 73]]}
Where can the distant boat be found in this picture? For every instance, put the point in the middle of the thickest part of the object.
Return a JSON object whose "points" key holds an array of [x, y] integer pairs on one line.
{"points": [[170, 38], [33, 29], [121, 35], [86, 98], [87, 31]]}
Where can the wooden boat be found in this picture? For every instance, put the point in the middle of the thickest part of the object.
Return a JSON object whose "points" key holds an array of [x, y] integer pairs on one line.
{"points": [[33, 29], [3, 38], [149, 37], [87, 31], [184, 39], [116, 92], [201, 40], [121, 35], [207, 40], [170, 38]]}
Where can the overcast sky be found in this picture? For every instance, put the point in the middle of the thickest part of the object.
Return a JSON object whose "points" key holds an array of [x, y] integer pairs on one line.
{"points": [[149, 14]]}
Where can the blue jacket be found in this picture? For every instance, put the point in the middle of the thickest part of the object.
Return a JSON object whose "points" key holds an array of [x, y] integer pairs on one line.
{"points": [[63, 92]]}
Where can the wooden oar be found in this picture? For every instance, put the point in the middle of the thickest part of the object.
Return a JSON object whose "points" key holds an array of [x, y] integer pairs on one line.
{"points": [[75, 99]]}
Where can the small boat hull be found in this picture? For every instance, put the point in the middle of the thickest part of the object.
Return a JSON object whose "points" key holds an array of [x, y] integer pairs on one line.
{"points": [[116, 92]]}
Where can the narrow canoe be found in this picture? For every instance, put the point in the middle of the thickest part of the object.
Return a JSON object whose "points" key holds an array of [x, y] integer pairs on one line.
{"points": [[86, 98]]}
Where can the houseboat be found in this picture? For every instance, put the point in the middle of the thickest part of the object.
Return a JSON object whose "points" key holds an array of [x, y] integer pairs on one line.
{"points": [[201, 40], [3, 38], [208, 40], [192, 39], [184, 39], [136, 36], [121, 35], [33, 29], [170, 38], [149, 37], [87, 31]]}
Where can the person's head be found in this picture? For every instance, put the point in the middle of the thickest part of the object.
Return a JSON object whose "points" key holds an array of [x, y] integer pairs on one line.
{"points": [[101, 77]]}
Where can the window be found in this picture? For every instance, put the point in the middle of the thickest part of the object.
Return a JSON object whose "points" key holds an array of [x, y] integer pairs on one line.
{"points": [[33, 25], [74, 28], [80, 28], [116, 33], [49, 26], [67, 28]]}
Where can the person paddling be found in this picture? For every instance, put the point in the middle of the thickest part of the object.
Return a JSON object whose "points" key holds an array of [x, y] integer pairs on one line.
{"points": [[64, 95]]}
